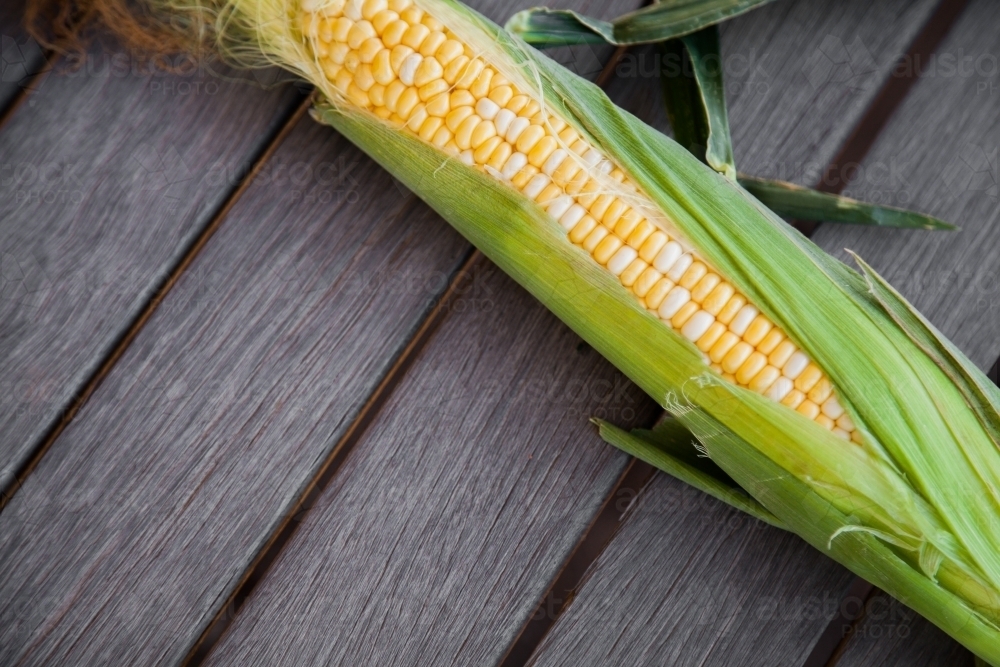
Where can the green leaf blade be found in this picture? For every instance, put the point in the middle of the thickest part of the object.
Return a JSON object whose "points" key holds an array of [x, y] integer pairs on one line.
{"points": [[801, 203]]}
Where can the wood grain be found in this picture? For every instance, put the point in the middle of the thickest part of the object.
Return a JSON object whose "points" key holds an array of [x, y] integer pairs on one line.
{"points": [[108, 177], [893, 634], [455, 510], [938, 155], [760, 597], [145, 512], [144, 515], [20, 56]]}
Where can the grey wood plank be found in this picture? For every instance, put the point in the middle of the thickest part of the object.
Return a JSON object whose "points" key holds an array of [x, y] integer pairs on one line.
{"points": [[454, 511], [892, 634], [198, 444], [760, 596], [20, 56], [145, 513], [108, 176], [939, 154]]}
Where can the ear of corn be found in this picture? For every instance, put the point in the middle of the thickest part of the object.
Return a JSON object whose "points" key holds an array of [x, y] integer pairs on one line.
{"points": [[913, 504]]}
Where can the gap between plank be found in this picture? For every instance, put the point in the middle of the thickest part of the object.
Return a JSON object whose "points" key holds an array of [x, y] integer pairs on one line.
{"points": [[835, 637], [593, 542], [335, 459], [159, 293]]}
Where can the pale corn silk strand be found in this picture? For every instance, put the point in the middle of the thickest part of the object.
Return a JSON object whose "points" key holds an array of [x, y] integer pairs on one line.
{"points": [[398, 62]]}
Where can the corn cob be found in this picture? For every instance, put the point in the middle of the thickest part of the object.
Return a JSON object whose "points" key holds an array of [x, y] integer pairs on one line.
{"points": [[403, 65]]}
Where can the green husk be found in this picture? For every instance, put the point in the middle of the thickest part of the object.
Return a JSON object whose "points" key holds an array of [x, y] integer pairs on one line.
{"points": [[801, 203], [914, 510], [545, 27]]}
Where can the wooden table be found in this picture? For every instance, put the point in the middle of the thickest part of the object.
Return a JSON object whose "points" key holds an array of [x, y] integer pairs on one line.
{"points": [[262, 406]]}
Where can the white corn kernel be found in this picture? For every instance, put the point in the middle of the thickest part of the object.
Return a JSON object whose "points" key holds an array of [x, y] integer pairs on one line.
{"points": [[559, 206], [832, 408], [592, 157], [676, 298], [742, 321], [781, 388], [514, 164], [668, 256], [697, 325], [409, 68], [553, 162], [503, 120], [487, 109], [352, 9], [467, 157], [572, 216], [795, 365], [621, 259], [680, 267], [605, 167], [517, 126], [535, 186]]}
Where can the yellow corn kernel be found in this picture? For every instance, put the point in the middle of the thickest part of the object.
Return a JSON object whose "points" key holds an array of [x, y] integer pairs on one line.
{"points": [[372, 7], [481, 86], [470, 73], [359, 33], [793, 399], [431, 44], [407, 102], [771, 341], [809, 409], [754, 364], [608, 247], [782, 353], [439, 105], [727, 341], [531, 136], [821, 391], [639, 235], [370, 49], [711, 337], [653, 245], [382, 20], [382, 67], [463, 135], [705, 287], [646, 279], [759, 328], [659, 291], [541, 151], [523, 176], [456, 68], [429, 70], [736, 357], [501, 95], [500, 155], [594, 238], [429, 127], [824, 421], [808, 378], [732, 307], [392, 36], [377, 95], [582, 229], [517, 103], [764, 378], [632, 272], [627, 223], [684, 314], [485, 148], [457, 116], [617, 209], [695, 273]]}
